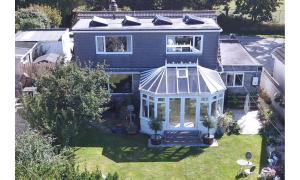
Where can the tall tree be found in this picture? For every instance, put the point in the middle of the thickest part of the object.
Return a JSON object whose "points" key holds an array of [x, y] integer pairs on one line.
{"points": [[67, 99], [257, 10], [27, 18], [52, 13]]}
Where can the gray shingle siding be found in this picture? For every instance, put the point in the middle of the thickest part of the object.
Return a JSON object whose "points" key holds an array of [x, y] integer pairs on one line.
{"points": [[149, 50]]}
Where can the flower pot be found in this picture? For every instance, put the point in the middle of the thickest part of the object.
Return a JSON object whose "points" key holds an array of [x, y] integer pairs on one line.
{"points": [[208, 139], [156, 140]]}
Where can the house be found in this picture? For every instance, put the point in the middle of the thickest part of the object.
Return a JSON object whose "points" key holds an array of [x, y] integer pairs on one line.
{"points": [[176, 62], [279, 66], [48, 41]]}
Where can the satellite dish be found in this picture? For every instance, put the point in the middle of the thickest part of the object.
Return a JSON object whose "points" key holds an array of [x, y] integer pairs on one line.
{"points": [[248, 155]]}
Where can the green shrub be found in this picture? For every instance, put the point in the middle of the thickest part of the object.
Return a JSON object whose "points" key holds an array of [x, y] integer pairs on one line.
{"points": [[27, 18], [53, 14], [263, 94]]}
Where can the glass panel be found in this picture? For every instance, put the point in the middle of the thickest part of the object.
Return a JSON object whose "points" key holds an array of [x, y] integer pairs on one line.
{"points": [[197, 44], [122, 83], [144, 108], [229, 81], [100, 44], [219, 106], [193, 80], [161, 110], [175, 112], [239, 79], [182, 85], [179, 43], [144, 96], [172, 83], [118, 44], [182, 73], [151, 110], [203, 111], [190, 113], [214, 109]]}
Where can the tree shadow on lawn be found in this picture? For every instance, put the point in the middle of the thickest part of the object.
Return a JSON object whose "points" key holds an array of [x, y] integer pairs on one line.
{"points": [[123, 148]]}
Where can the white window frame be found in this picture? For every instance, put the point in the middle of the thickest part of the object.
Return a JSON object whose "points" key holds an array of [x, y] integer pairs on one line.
{"points": [[104, 43], [200, 50], [132, 86], [182, 69], [234, 76]]}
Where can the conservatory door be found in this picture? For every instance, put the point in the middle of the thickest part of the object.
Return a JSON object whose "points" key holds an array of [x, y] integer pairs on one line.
{"points": [[174, 113], [182, 114]]}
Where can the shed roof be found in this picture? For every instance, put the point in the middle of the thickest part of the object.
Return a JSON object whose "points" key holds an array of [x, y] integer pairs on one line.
{"points": [[23, 48], [147, 24], [279, 53], [181, 79], [233, 53], [40, 35]]}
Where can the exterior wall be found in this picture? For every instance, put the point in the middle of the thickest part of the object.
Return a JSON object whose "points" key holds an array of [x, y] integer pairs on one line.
{"points": [[270, 86], [279, 73], [249, 73], [149, 50]]}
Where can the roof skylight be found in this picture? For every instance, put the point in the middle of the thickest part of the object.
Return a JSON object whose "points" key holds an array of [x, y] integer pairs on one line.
{"points": [[191, 19], [97, 21], [131, 21], [161, 20]]}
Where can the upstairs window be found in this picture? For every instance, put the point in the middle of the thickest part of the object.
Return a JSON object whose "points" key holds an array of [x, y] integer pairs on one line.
{"points": [[113, 44], [184, 44], [235, 79]]}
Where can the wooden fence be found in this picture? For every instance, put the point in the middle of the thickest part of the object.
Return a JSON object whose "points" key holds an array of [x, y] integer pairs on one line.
{"points": [[32, 69]]}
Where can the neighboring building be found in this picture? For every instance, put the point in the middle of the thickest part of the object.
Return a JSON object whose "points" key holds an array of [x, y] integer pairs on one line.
{"points": [[178, 65], [48, 41], [279, 67]]}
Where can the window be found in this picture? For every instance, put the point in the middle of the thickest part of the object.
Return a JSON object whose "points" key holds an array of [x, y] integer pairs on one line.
{"points": [[161, 105], [182, 73], [120, 83], [151, 109], [113, 44], [144, 108], [203, 111], [235, 79], [190, 113], [184, 44]]}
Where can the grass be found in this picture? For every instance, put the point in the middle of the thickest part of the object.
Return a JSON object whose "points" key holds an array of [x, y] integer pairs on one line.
{"points": [[130, 157]]}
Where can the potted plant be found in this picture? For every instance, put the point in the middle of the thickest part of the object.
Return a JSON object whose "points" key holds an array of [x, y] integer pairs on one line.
{"points": [[223, 123], [156, 125], [208, 123]]}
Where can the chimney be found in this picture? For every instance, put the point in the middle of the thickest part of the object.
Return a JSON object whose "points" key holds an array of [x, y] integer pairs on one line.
{"points": [[113, 5]]}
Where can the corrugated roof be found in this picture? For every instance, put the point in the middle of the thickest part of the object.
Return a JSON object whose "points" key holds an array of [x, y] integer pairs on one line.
{"points": [[233, 53], [22, 48], [147, 24], [145, 14], [279, 53], [181, 78], [40, 35]]}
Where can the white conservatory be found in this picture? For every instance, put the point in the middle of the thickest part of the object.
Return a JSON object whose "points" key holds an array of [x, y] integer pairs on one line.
{"points": [[182, 95]]}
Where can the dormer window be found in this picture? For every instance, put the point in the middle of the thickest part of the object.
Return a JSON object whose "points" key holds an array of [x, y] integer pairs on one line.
{"points": [[184, 44]]}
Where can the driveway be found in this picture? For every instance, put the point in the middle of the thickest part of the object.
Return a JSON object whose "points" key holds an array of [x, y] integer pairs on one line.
{"points": [[261, 48]]}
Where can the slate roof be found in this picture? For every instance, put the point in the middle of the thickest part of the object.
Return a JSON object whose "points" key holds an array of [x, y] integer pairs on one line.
{"points": [[47, 58], [145, 14], [35, 35], [279, 53], [233, 53], [196, 80], [147, 24]]}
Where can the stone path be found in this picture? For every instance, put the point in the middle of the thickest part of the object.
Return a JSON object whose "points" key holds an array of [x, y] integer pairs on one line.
{"points": [[249, 123]]}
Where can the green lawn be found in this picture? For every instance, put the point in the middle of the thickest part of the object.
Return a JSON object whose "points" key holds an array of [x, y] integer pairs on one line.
{"points": [[130, 157]]}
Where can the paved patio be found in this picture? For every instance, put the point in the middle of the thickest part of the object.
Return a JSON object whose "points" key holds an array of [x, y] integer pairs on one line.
{"points": [[249, 123]]}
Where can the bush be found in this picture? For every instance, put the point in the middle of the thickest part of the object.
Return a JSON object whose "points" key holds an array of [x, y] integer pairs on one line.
{"points": [[27, 18], [240, 25], [53, 14], [265, 96]]}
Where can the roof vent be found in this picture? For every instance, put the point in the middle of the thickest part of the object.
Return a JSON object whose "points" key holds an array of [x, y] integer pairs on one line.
{"points": [[161, 20], [97, 21], [131, 21], [191, 19]]}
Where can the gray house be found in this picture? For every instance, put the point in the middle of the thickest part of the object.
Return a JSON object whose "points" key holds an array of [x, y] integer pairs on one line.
{"points": [[177, 64]]}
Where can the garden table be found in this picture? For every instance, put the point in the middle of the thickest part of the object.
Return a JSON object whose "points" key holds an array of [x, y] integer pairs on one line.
{"points": [[243, 163]]}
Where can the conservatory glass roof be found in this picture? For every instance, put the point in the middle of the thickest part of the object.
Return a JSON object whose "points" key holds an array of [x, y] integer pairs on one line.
{"points": [[181, 79]]}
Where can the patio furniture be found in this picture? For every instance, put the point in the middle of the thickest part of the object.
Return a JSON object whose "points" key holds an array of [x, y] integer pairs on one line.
{"points": [[249, 171], [243, 163]]}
